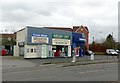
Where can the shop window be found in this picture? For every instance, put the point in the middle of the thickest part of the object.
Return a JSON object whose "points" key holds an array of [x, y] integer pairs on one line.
{"points": [[28, 50], [32, 50], [35, 50]]}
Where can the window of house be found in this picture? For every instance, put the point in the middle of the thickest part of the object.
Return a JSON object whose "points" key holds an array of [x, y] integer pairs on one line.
{"points": [[31, 50], [35, 50], [28, 50]]}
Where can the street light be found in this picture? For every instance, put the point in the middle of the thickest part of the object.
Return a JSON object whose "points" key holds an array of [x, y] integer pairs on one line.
{"points": [[93, 40]]}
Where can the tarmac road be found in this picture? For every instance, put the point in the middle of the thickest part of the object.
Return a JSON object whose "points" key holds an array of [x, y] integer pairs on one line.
{"points": [[92, 72]]}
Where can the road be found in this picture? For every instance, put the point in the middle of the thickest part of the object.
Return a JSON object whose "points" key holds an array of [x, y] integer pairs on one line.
{"points": [[92, 72]]}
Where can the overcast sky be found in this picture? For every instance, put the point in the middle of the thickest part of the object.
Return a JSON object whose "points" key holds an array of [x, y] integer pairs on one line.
{"points": [[100, 16]]}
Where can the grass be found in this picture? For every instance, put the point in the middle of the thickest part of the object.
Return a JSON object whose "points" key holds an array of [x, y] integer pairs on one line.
{"points": [[99, 53]]}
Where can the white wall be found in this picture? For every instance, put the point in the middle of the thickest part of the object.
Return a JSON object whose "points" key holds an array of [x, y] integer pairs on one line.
{"points": [[16, 51], [20, 36], [30, 54]]}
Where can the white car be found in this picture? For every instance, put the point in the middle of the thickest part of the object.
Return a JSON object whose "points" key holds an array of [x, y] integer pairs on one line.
{"points": [[111, 51], [117, 51]]}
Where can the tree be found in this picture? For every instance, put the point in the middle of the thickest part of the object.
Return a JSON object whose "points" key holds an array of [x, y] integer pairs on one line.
{"points": [[118, 46], [110, 42]]}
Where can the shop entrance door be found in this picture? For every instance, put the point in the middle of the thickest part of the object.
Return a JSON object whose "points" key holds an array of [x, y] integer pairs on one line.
{"points": [[21, 51], [60, 51]]}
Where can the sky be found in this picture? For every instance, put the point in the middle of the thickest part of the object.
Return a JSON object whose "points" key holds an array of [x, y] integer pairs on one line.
{"points": [[100, 16]]}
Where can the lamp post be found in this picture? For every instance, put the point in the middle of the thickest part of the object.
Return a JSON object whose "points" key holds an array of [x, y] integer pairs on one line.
{"points": [[93, 39], [113, 42]]}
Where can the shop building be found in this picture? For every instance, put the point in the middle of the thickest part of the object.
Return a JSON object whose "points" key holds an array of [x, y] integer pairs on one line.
{"points": [[33, 42], [78, 43], [78, 29], [84, 30], [8, 41]]}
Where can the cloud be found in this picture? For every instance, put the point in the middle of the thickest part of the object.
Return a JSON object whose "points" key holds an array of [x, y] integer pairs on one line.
{"points": [[98, 15]]}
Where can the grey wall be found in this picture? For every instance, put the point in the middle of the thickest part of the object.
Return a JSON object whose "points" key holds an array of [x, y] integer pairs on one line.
{"points": [[49, 32]]}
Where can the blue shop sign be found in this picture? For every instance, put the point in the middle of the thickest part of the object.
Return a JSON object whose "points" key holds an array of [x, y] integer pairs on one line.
{"points": [[40, 35], [76, 39], [81, 39]]}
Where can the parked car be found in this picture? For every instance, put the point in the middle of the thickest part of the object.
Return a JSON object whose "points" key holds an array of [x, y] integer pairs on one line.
{"points": [[111, 52], [3, 52], [117, 51]]}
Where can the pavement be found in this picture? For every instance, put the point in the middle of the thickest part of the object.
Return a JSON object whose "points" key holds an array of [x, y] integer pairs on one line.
{"points": [[89, 62], [60, 69], [13, 62]]}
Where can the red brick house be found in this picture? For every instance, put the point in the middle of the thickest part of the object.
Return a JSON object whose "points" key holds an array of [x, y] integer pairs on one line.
{"points": [[79, 29], [83, 29]]}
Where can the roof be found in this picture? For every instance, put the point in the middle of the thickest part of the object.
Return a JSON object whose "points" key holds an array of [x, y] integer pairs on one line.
{"points": [[18, 31], [6, 34], [60, 28], [86, 28], [78, 27]]}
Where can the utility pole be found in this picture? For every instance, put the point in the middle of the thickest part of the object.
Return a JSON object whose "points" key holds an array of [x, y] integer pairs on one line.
{"points": [[93, 40], [113, 44]]}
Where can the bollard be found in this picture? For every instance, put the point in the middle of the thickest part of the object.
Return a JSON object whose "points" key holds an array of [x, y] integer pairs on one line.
{"points": [[118, 55], [49, 56], [74, 59], [92, 56], [74, 55], [107, 56]]}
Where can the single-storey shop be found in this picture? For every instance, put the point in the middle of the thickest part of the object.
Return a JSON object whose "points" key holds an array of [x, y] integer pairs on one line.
{"points": [[38, 42]]}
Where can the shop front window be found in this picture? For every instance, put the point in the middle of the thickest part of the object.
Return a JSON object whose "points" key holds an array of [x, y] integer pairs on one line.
{"points": [[60, 51]]}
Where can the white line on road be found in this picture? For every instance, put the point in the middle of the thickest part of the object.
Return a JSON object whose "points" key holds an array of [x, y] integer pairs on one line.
{"points": [[91, 71]]}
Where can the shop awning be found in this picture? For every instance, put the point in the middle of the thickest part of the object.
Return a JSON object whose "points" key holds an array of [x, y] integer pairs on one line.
{"points": [[80, 40]]}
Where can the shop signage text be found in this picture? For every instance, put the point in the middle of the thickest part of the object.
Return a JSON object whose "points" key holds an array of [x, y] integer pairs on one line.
{"points": [[40, 35], [61, 36], [60, 41], [39, 38]]}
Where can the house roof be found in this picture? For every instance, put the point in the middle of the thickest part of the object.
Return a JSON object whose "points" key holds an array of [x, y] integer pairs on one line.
{"points": [[86, 28], [77, 27], [18, 31]]}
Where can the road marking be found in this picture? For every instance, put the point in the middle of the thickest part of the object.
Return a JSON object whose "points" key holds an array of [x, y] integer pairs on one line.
{"points": [[91, 71]]}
